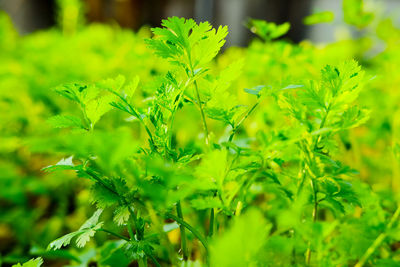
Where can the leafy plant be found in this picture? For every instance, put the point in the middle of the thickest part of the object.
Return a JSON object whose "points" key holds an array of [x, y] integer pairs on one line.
{"points": [[277, 154]]}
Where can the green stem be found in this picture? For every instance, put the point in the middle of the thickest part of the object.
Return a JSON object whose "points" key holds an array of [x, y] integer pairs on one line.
{"points": [[314, 216], [154, 260], [130, 231], [203, 117], [142, 262], [199, 236], [183, 232], [322, 125], [242, 120], [114, 234], [378, 241], [191, 76], [137, 115], [211, 229], [315, 210]]}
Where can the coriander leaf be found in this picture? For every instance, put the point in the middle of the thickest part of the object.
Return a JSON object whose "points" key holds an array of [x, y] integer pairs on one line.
{"points": [[31, 263], [319, 17], [64, 121]]}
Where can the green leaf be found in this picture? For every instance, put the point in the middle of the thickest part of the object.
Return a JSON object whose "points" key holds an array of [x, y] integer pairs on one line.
{"points": [[63, 241], [85, 232], [268, 30], [96, 108], [63, 121], [92, 221], [121, 215], [135, 250], [186, 43], [85, 236], [113, 85], [31, 263], [63, 164], [354, 13], [103, 197], [255, 90], [130, 88], [240, 245], [319, 17], [212, 168]]}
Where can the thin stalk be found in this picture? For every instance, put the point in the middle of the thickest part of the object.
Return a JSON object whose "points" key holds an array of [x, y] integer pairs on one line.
{"points": [[315, 210], [203, 117], [142, 262], [378, 241], [135, 113], [199, 236], [242, 120], [154, 260], [130, 231], [211, 228], [322, 125], [314, 216], [183, 232], [114, 234], [239, 207]]}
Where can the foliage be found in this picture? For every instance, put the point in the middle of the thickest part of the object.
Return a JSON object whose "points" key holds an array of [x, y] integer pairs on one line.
{"points": [[277, 154]]}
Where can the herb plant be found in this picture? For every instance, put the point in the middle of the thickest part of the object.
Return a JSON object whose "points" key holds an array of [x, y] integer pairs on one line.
{"points": [[276, 154]]}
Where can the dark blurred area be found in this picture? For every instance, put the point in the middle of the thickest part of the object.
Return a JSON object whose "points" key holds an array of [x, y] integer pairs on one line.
{"points": [[30, 15]]}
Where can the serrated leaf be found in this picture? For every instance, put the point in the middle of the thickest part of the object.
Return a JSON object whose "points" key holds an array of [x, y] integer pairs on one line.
{"points": [[121, 215], [31, 263], [63, 241], [112, 84], [135, 250], [96, 108], [64, 121], [85, 232], [103, 197], [92, 221], [181, 37], [84, 237], [130, 88]]}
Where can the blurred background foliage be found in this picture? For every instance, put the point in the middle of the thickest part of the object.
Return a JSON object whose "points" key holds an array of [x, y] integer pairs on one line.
{"points": [[47, 43]]}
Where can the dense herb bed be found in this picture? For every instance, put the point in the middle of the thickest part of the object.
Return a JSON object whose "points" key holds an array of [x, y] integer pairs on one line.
{"points": [[277, 154]]}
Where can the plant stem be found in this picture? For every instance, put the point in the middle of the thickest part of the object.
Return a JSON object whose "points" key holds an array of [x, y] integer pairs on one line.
{"points": [[211, 228], [130, 231], [142, 262], [137, 115], [315, 210], [378, 241], [199, 236], [154, 260], [314, 216], [328, 109], [114, 234], [191, 76], [203, 117], [183, 233], [242, 120], [239, 207]]}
